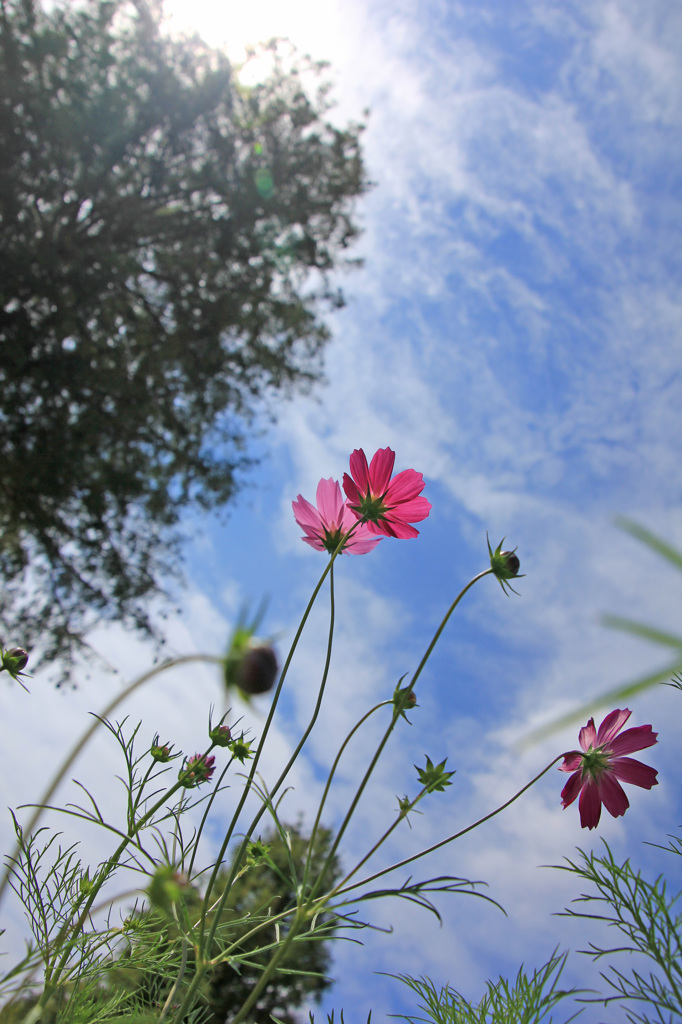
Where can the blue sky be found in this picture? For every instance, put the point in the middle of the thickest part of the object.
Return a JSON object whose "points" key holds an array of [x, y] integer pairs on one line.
{"points": [[515, 336]]}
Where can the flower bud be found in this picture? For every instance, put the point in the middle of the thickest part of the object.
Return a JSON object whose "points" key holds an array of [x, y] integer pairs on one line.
{"points": [[85, 884], [166, 888], [511, 563], [160, 751], [14, 661], [404, 698], [196, 770], [504, 564], [257, 670], [241, 749], [220, 736], [250, 664], [257, 853]]}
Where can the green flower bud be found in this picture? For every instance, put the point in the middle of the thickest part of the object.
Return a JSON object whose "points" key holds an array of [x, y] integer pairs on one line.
{"points": [[434, 778], [240, 749], [160, 751], [85, 884], [504, 564], [250, 664], [14, 661], [166, 888], [257, 853], [404, 698], [220, 736]]}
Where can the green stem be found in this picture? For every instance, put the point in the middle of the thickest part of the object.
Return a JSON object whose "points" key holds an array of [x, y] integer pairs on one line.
{"points": [[204, 818], [330, 777], [292, 759], [343, 888], [176, 984], [391, 726], [269, 970], [436, 635], [382, 839], [205, 942]]}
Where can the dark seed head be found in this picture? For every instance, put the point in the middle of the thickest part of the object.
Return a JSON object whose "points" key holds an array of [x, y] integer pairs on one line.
{"points": [[257, 670], [512, 563]]}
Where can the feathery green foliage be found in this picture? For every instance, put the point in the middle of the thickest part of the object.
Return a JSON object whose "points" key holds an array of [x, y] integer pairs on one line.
{"points": [[647, 920], [527, 1001]]}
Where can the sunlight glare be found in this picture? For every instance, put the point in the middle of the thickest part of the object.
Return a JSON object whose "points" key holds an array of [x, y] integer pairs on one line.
{"points": [[311, 25]]}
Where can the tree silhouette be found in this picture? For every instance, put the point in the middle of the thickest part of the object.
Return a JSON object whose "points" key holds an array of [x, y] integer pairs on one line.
{"points": [[167, 242]]}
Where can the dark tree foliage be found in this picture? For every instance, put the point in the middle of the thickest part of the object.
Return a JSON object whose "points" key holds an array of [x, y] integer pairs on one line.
{"points": [[260, 887], [265, 886], [166, 242]]}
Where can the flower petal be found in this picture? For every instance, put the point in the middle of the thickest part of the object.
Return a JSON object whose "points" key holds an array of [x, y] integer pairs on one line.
{"points": [[404, 486], [380, 469], [412, 511], [388, 526], [306, 514], [314, 542], [589, 805], [612, 725], [360, 545], [352, 492], [330, 503], [587, 735], [571, 789], [638, 738], [612, 794], [634, 772], [359, 470], [572, 761]]}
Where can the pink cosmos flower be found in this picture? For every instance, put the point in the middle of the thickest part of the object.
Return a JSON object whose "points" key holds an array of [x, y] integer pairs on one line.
{"points": [[388, 505], [598, 768], [331, 521]]}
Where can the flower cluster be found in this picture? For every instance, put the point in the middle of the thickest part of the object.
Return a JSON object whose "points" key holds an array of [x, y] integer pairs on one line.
{"points": [[377, 505], [197, 769]]}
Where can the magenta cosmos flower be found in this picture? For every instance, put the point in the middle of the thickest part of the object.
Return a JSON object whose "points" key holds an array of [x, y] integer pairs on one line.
{"points": [[388, 505], [328, 524], [597, 769]]}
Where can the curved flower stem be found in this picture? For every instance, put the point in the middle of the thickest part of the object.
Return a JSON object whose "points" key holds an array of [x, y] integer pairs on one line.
{"points": [[436, 635], [176, 984], [205, 941], [269, 970], [391, 726], [299, 747], [337, 759], [29, 828], [344, 888], [382, 839]]}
